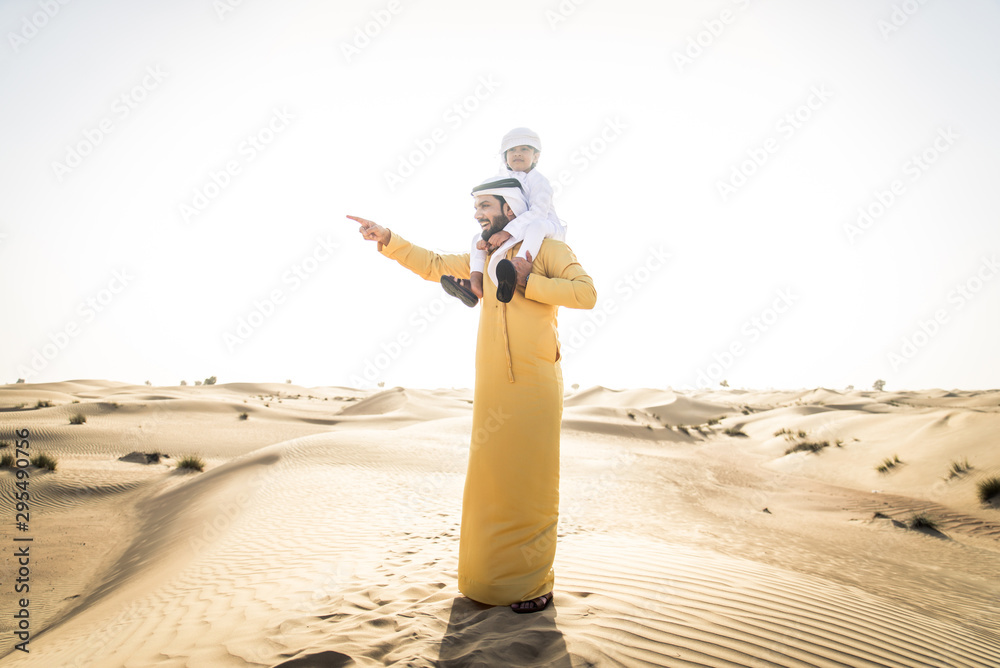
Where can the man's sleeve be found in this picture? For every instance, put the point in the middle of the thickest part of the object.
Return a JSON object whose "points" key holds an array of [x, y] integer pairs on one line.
{"points": [[562, 281], [426, 264]]}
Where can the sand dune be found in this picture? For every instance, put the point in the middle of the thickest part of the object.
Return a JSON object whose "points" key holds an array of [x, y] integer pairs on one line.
{"points": [[324, 531]]}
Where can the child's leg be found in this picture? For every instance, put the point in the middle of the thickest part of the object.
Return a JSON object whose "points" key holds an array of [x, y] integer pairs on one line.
{"points": [[477, 262], [533, 236], [503, 269], [476, 280], [461, 288], [498, 256]]}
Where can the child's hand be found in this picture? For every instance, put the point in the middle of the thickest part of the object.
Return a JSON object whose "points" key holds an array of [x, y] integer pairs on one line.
{"points": [[499, 239], [481, 245]]}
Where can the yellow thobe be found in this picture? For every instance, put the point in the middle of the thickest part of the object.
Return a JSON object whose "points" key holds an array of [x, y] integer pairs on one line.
{"points": [[511, 504]]}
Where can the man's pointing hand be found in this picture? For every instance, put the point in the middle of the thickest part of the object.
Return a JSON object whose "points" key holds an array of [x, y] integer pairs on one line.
{"points": [[373, 231]]}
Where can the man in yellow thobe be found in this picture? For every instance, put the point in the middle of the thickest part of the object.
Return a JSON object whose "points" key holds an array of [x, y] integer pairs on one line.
{"points": [[511, 503]]}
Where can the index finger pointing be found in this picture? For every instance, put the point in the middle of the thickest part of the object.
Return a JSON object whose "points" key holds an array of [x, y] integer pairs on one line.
{"points": [[364, 222]]}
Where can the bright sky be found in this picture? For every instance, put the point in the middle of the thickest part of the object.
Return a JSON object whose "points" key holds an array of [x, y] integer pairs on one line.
{"points": [[176, 176]]}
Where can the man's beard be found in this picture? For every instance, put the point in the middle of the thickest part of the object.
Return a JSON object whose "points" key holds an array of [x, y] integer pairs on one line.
{"points": [[498, 223]]}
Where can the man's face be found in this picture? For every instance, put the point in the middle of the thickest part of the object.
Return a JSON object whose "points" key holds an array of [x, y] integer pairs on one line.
{"points": [[490, 215]]}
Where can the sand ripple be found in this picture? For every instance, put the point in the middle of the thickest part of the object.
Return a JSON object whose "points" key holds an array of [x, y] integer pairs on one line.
{"points": [[340, 550]]}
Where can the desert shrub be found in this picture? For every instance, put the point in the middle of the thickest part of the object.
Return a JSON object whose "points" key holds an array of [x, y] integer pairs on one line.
{"points": [[888, 463], [78, 418], [807, 447], [923, 521], [734, 431], [884, 466], [988, 488], [7, 461], [959, 468], [210, 380], [43, 404], [192, 462], [243, 416], [44, 462]]}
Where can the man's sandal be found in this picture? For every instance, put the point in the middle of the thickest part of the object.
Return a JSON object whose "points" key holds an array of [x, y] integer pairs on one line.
{"points": [[533, 605]]}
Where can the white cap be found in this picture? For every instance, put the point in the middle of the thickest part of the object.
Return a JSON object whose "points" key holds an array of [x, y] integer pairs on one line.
{"points": [[520, 137], [509, 188]]}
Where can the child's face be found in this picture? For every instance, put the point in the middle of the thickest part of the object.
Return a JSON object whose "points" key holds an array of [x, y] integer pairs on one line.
{"points": [[522, 158]]}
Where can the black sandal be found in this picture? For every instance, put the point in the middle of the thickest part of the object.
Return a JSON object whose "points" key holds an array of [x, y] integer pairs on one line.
{"points": [[506, 280], [535, 606], [454, 288]]}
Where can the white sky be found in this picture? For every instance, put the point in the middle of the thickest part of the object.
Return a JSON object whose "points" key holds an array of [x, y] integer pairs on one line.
{"points": [[676, 131]]}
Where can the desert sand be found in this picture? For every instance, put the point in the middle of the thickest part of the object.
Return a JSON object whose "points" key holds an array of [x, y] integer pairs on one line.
{"points": [[323, 530]]}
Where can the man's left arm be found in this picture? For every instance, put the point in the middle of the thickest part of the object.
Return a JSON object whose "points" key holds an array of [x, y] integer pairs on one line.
{"points": [[562, 281]]}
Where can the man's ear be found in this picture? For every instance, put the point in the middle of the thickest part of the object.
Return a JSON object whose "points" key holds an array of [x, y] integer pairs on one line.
{"points": [[509, 212]]}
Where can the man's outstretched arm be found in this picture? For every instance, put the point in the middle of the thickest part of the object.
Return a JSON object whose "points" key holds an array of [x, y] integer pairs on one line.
{"points": [[422, 262]]}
